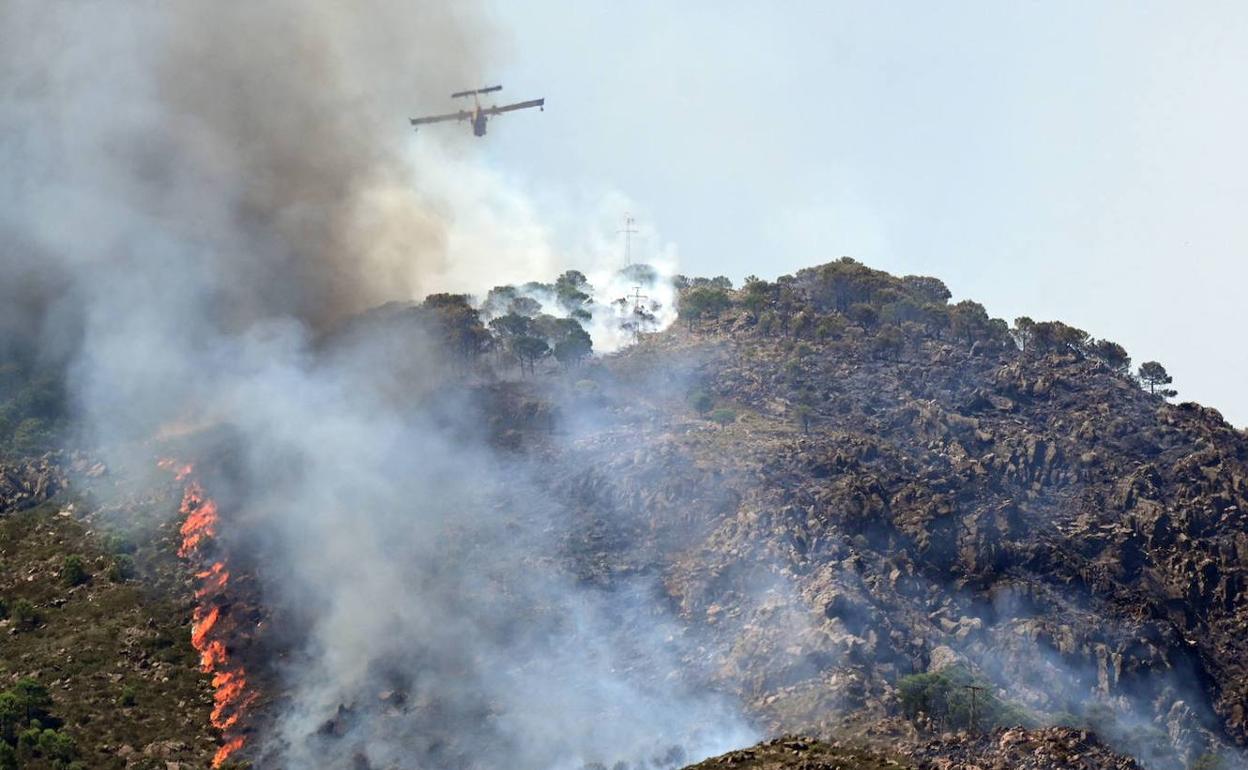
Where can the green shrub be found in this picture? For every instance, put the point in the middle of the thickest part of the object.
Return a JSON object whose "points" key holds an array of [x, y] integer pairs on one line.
{"points": [[863, 314], [117, 544], [831, 327], [1066, 719], [32, 408], [32, 436], [723, 416], [701, 401], [888, 342], [128, 696], [34, 699], [24, 614], [121, 568], [56, 747], [8, 757], [702, 302], [4, 609], [28, 740], [12, 715], [74, 571], [946, 697], [1208, 761]]}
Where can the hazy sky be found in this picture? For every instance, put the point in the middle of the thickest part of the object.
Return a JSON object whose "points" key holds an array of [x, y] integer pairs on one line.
{"points": [[1064, 160]]}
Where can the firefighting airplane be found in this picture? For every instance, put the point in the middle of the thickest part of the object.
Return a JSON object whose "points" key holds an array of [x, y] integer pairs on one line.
{"points": [[478, 114]]}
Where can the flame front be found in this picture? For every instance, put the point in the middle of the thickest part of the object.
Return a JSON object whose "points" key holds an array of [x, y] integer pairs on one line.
{"points": [[231, 696], [200, 523]]}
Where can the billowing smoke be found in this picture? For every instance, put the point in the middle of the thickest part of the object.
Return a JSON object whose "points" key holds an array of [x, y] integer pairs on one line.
{"points": [[193, 194]]}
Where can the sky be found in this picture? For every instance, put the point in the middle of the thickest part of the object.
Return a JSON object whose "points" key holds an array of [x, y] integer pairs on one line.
{"points": [[1073, 161]]}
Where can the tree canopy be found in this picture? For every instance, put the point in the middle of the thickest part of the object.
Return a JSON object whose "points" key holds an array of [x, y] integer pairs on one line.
{"points": [[1155, 376], [702, 301]]}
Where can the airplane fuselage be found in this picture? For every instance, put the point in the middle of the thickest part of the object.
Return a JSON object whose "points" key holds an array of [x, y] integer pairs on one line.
{"points": [[478, 115]]}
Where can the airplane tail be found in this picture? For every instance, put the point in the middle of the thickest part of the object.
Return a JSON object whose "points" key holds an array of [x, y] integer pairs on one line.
{"points": [[486, 90]]}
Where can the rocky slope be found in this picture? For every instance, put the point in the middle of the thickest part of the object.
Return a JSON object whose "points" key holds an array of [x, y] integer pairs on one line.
{"points": [[869, 500]]}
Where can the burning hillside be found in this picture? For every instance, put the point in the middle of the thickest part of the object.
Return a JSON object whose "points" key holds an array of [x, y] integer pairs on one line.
{"points": [[606, 527], [539, 525], [210, 631], [775, 516]]}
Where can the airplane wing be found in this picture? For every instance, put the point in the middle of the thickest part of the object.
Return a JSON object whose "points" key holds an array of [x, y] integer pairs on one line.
{"points": [[461, 115], [516, 106]]}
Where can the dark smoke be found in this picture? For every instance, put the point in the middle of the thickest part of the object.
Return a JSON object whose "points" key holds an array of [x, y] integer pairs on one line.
{"points": [[232, 153], [192, 195]]}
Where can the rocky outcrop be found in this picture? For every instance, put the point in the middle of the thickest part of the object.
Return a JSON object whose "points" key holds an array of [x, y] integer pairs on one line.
{"points": [[1035, 517], [1013, 749], [1018, 749], [28, 482]]}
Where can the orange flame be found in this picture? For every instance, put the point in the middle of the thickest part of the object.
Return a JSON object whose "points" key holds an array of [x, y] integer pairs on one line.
{"points": [[215, 579], [223, 753], [201, 519], [212, 656], [179, 471], [231, 698]]}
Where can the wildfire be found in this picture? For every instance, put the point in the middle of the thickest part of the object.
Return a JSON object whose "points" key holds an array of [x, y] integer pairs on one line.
{"points": [[215, 579], [231, 696], [228, 748], [201, 623], [179, 471], [201, 519]]}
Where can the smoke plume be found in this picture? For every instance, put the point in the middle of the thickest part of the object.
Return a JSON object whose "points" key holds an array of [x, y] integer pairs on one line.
{"points": [[193, 194]]}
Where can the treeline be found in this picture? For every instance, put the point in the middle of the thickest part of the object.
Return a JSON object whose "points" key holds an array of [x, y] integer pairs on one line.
{"points": [[511, 325], [846, 301], [517, 338]]}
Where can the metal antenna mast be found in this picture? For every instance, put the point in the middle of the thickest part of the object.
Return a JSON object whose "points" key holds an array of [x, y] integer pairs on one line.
{"points": [[639, 313], [628, 237], [975, 690], [637, 297]]}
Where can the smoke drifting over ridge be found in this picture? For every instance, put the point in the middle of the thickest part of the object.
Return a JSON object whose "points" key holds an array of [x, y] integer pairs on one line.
{"points": [[191, 193]]}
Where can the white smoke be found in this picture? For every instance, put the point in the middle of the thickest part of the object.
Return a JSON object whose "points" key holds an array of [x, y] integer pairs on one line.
{"points": [[192, 195], [588, 238]]}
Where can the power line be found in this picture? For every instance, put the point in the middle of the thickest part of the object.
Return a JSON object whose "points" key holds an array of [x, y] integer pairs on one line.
{"points": [[975, 690], [639, 314], [628, 231], [637, 297]]}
